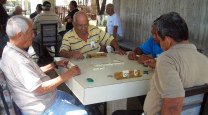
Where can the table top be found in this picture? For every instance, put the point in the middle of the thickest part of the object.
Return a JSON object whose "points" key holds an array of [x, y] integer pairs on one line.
{"points": [[102, 70], [104, 86]]}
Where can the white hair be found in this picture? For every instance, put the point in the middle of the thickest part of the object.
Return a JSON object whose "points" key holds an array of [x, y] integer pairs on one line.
{"points": [[17, 24]]}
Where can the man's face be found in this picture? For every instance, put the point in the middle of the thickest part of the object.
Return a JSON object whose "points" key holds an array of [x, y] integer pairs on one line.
{"points": [[71, 7], [38, 10], [155, 34], [109, 10], [81, 25], [28, 36]]}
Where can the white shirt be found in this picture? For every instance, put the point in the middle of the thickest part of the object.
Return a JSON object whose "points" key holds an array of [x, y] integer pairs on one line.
{"points": [[112, 21], [24, 76]]}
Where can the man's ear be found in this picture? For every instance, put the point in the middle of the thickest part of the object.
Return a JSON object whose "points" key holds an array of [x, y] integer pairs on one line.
{"points": [[73, 23], [168, 39]]}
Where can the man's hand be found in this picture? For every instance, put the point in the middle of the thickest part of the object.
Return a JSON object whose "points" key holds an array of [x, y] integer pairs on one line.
{"points": [[132, 55], [73, 71], [142, 58], [62, 63], [120, 51], [151, 63], [77, 55]]}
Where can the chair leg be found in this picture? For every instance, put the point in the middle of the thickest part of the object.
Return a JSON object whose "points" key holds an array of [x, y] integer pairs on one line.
{"points": [[204, 105], [56, 51]]}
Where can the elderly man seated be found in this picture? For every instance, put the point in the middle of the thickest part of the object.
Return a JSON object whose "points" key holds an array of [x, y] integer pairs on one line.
{"points": [[32, 90], [149, 50], [85, 38], [180, 66]]}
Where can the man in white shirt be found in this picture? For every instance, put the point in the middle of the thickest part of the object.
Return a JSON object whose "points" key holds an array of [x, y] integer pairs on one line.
{"points": [[113, 23], [32, 90]]}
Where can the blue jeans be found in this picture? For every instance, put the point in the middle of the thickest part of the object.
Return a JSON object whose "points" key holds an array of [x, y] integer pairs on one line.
{"points": [[63, 105]]}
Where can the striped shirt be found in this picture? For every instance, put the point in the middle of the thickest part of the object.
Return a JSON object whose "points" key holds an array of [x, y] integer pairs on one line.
{"points": [[71, 41], [46, 17]]}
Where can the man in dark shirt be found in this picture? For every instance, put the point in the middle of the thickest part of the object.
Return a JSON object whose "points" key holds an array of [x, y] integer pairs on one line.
{"points": [[69, 17], [3, 15], [3, 20]]}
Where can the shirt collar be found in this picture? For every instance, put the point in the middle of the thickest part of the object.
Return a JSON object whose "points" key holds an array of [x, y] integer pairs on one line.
{"points": [[77, 37], [18, 49], [188, 46]]}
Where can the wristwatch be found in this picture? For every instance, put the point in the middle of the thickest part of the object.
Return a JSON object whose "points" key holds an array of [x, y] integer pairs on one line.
{"points": [[55, 65]]}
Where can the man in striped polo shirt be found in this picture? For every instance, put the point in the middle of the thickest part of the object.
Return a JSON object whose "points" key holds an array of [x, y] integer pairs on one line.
{"points": [[85, 39]]}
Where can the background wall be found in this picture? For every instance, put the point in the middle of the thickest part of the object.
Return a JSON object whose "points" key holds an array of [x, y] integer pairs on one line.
{"points": [[138, 15]]}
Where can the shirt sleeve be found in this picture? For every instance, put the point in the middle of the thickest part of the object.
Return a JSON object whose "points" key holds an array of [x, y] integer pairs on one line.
{"points": [[115, 20], [167, 79], [35, 23], [27, 75], [146, 46], [105, 38]]}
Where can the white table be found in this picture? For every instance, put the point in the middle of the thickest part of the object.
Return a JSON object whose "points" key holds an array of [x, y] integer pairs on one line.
{"points": [[106, 88]]}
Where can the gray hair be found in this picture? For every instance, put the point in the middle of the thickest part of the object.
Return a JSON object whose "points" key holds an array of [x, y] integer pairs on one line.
{"points": [[17, 24]]}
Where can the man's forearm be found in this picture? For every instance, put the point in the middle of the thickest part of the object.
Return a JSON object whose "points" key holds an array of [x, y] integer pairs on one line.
{"points": [[47, 68], [114, 44], [138, 51], [67, 54], [115, 29], [50, 85], [172, 106]]}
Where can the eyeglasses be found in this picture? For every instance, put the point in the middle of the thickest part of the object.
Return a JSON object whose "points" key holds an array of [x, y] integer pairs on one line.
{"points": [[81, 26]]}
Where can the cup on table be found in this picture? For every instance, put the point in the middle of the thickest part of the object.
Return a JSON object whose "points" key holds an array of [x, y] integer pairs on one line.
{"points": [[109, 49]]}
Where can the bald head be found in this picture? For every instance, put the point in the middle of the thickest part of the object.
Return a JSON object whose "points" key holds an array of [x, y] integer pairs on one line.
{"points": [[18, 10], [81, 23], [80, 16], [110, 9]]}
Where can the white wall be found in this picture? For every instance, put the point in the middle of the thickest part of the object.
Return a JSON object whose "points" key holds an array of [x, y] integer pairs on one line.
{"points": [[33, 4]]}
